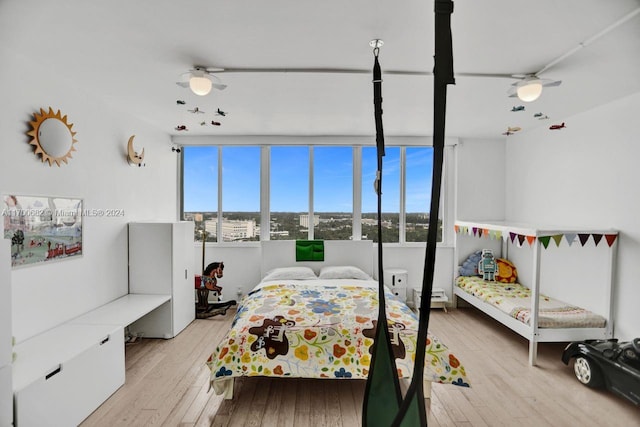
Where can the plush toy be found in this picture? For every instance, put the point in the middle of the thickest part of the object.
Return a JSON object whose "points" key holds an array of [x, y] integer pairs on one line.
{"points": [[487, 265], [470, 266]]}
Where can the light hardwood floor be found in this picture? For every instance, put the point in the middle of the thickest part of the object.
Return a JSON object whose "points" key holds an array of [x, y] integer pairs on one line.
{"points": [[167, 384]]}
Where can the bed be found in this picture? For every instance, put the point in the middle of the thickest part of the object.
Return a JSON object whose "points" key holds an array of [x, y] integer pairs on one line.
{"points": [[564, 283], [300, 322]]}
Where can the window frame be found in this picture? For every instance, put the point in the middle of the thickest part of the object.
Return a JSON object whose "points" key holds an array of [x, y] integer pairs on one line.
{"points": [[447, 201]]}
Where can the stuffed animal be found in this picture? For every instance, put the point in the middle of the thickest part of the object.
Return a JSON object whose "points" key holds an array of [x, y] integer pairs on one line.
{"points": [[487, 265], [470, 266]]}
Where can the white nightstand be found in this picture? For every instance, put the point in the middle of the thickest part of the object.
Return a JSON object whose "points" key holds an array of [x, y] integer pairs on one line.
{"points": [[439, 298]]}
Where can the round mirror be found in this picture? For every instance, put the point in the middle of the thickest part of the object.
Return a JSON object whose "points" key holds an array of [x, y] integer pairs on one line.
{"points": [[52, 136]]}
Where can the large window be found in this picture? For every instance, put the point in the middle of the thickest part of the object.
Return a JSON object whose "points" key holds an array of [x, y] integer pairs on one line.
{"points": [[289, 193], [301, 192], [419, 176], [390, 195], [333, 193], [200, 189], [240, 194]]}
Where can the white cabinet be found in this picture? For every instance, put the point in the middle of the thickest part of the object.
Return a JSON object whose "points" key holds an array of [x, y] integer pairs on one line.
{"points": [[6, 407], [161, 262], [61, 376], [396, 279]]}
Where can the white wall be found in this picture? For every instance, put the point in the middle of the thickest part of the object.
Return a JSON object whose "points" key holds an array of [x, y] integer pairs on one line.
{"points": [[47, 294], [480, 182], [585, 175], [242, 265]]}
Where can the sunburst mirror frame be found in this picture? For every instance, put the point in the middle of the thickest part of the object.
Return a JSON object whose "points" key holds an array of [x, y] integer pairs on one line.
{"points": [[53, 147]]}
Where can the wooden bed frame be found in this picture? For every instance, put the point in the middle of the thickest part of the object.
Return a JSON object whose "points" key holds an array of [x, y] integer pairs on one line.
{"points": [[505, 236]]}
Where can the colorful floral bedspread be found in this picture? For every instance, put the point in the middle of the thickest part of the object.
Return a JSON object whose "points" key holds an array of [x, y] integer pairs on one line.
{"points": [[311, 329], [515, 300]]}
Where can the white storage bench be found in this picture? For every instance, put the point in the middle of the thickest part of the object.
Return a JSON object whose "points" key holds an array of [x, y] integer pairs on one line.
{"points": [[62, 375]]}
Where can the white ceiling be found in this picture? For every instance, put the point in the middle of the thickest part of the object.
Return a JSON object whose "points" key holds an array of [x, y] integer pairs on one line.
{"points": [[131, 53]]}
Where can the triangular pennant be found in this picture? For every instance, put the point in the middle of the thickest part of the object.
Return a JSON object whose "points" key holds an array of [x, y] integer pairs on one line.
{"points": [[498, 234], [544, 240], [610, 238], [597, 238], [475, 230], [520, 239], [583, 238], [557, 238], [570, 238], [512, 236], [531, 239], [486, 231], [456, 228], [480, 231]]}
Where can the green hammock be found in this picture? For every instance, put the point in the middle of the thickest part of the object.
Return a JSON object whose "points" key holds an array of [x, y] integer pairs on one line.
{"points": [[383, 403]]}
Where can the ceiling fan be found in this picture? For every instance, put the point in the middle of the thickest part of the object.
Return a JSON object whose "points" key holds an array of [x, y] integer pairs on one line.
{"points": [[200, 80], [529, 87]]}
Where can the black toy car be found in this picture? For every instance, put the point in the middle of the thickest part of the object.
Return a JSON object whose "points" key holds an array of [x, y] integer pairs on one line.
{"points": [[607, 363]]}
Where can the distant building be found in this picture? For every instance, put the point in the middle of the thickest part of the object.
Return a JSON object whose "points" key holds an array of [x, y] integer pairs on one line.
{"points": [[232, 229], [304, 220]]}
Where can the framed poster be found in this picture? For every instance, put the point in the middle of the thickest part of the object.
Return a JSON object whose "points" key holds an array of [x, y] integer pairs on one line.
{"points": [[41, 228]]}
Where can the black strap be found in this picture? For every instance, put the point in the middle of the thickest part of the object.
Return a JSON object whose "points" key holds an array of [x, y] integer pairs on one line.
{"points": [[412, 411], [382, 396]]}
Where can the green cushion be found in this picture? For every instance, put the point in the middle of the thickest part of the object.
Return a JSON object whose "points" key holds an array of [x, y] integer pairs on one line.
{"points": [[309, 250]]}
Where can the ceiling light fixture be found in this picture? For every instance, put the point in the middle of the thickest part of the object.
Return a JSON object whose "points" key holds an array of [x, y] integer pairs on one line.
{"points": [[199, 82], [529, 89]]}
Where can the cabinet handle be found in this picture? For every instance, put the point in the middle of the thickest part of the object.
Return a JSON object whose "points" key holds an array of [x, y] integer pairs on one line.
{"points": [[52, 373], [185, 273], [105, 340]]}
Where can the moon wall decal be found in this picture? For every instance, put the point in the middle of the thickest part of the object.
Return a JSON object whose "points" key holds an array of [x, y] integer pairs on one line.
{"points": [[132, 156]]}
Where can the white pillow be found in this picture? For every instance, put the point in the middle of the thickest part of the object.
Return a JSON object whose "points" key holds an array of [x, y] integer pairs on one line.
{"points": [[343, 272], [290, 273]]}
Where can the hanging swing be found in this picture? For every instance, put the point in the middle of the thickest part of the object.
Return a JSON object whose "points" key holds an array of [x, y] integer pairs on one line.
{"points": [[383, 404]]}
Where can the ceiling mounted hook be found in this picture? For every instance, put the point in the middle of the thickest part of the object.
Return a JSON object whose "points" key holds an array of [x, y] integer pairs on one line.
{"points": [[376, 44]]}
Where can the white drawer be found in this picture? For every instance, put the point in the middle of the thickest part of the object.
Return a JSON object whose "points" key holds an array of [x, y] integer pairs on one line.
{"points": [[72, 390]]}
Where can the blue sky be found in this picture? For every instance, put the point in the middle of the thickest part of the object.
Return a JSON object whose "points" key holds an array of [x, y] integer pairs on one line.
{"points": [[290, 181]]}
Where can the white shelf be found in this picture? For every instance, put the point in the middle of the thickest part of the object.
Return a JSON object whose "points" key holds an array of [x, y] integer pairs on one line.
{"points": [[439, 298], [123, 311]]}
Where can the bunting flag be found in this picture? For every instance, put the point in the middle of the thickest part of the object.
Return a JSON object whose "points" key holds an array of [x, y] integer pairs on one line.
{"points": [[597, 238], [583, 238], [520, 238], [570, 238], [544, 240], [610, 238]]}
